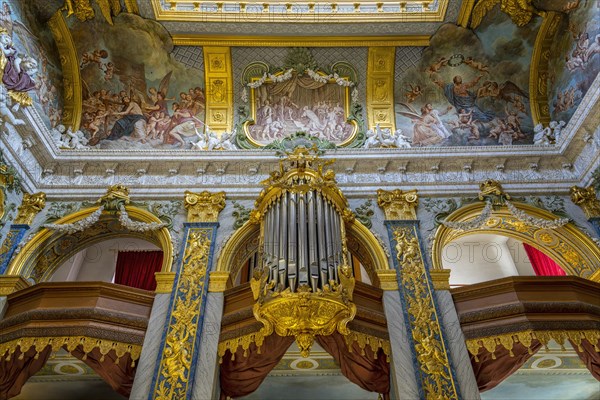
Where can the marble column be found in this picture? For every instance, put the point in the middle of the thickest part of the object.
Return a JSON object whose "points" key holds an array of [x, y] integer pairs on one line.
{"points": [[404, 379], [426, 339], [152, 343], [206, 382], [463, 371]]}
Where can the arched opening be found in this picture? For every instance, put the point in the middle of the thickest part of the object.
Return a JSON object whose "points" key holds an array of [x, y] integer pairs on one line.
{"points": [[510, 306], [238, 258], [49, 249]]}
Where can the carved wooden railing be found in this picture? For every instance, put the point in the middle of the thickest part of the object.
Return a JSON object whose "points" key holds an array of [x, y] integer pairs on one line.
{"points": [[513, 309], [92, 314]]}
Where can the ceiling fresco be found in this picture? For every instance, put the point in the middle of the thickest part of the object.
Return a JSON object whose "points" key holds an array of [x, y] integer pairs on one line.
{"points": [[117, 84]]}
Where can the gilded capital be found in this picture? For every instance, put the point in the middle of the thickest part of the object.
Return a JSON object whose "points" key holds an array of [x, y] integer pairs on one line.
{"points": [[440, 279], [164, 282], [587, 200], [12, 283], [398, 205], [31, 205], [204, 206], [218, 281], [388, 279]]}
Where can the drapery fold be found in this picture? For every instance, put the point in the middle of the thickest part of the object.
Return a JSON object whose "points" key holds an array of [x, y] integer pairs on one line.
{"points": [[360, 366], [541, 263], [590, 356], [119, 375], [491, 369], [21, 366], [136, 268], [242, 375]]}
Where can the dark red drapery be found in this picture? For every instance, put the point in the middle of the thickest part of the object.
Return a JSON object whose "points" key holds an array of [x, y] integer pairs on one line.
{"points": [[21, 366], [590, 356], [242, 375], [119, 375], [136, 268], [491, 369], [359, 366], [541, 263]]}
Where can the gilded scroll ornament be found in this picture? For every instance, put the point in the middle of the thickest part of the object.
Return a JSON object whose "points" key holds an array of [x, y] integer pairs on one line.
{"points": [[492, 190], [30, 206], [204, 206], [174, 370], [83, 10], [587, 200], [398, 205], [116, 195], [520, 11], [431, 352]]}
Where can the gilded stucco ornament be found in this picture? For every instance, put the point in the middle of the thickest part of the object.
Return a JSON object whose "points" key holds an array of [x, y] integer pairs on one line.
{"points": [[116, 195], [7, 181], [304, 314], [520, 11], [204, 206], [491, 190], [587, 200], [31, 205], [83, 10], [398, 205]]}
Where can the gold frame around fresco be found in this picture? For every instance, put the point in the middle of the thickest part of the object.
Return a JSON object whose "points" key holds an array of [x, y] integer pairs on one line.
{"points": [[252, 119]]}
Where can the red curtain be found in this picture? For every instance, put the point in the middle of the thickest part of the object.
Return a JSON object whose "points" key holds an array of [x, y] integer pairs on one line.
{"points": [[541, 263], [243, 374], [119, 375], [21, 366], [491, 369], [369, 370], [590, 356], [136, 268]]}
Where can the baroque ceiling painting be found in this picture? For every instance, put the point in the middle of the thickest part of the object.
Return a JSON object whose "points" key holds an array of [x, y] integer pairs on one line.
{"points": [[135, 93], [32, 75], [470, 87], [575, 60]]}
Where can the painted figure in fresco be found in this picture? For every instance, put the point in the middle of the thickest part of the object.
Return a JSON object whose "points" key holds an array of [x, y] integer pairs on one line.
{"points": [[132, 122], [459, 95], [95, 57], [412, 94], [479, 66], [15, 77], [428, 128]]}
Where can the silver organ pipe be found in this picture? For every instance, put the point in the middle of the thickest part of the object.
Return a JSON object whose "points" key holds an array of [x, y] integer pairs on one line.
{"points": [[302, 240]]}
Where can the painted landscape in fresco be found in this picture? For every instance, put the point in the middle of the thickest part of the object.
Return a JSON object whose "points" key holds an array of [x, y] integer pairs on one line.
{"points": [[575, 61], [463, 93], [135, 95], [300, 104], [30, 66]]}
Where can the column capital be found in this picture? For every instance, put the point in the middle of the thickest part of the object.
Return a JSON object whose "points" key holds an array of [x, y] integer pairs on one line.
{"points": [[398, 205], [30, 206], [164, 282], [388, 279], [440, 278], [218, 281], [586, 199], [12, 283], [204, 206]]}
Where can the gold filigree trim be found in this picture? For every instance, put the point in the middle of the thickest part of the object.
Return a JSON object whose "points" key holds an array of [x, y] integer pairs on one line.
{"points": [[526, 338], [71, 343], [244, 342], [365, 340]]}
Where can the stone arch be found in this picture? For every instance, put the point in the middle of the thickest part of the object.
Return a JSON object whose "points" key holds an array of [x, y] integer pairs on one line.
{"points": [[568, 246], [48, 249]]}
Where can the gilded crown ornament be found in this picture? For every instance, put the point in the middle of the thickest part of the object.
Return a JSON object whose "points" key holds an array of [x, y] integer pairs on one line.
{"points": [[304, 285]]}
